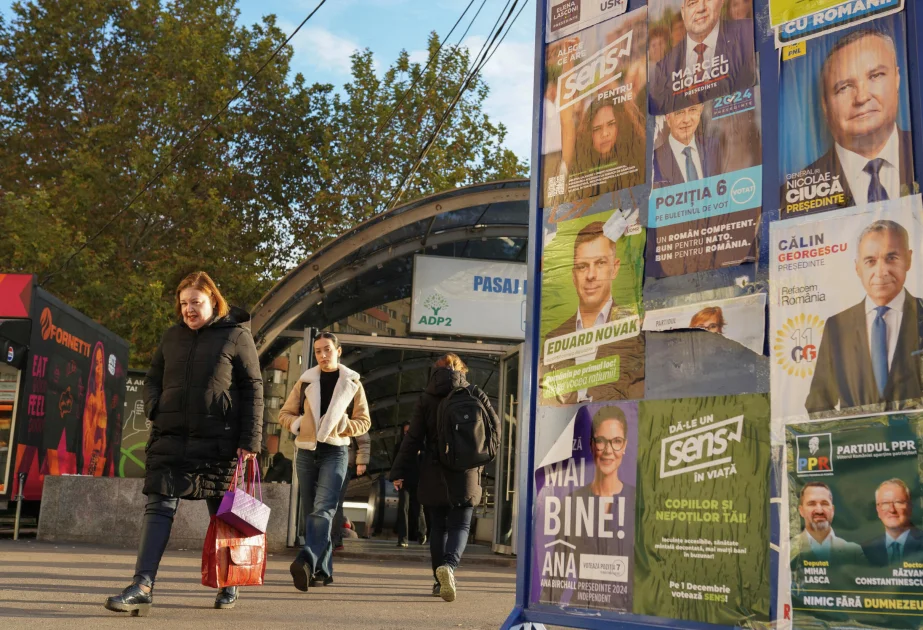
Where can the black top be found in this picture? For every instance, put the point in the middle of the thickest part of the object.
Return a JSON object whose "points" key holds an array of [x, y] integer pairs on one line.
{"points": [[328, 380]]}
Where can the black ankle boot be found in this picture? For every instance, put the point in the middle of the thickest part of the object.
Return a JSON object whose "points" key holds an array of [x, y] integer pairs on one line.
{"points": [[227, 597], [132, 600]]}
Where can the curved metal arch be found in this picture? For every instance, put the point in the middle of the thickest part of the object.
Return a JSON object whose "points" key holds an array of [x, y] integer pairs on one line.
{"points": [[282, 305]]}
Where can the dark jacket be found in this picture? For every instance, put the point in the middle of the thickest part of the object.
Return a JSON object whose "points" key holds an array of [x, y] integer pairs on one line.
{"points": [[438, 486], [735, 42], [843, 375], [280, 470], [876, 551], [829, 163], [667, 172], [204, 396]]}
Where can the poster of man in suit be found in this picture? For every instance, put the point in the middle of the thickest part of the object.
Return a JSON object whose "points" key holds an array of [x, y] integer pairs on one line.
{"points": [[714, 57], [592, 344], [705, 205], [846, 315], [845, 120], [852, 531]]}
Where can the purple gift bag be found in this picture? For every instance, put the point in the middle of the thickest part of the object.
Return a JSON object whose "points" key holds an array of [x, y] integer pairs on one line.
{"points": [[241, 509]]}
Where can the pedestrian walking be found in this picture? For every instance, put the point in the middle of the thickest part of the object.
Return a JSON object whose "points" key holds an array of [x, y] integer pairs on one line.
{"points": [[326, 407], [448, 495], [360, 449], [411, 524], [204, 396]]}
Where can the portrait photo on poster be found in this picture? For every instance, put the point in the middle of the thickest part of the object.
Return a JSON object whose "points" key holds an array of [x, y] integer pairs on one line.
{"points": [[704, 209], [702, 530], [853, 485], [845, 120], [741, 319], [846, 318], [594, 127], [699, 50], [583, 544], [590, 330]]}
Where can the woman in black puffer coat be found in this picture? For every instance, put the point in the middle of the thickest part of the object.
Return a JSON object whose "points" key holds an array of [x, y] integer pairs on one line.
{"points": [[448, 496], [204, 396]]}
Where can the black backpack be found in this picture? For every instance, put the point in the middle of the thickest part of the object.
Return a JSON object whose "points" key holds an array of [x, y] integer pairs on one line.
{"points": [[466, 436]]}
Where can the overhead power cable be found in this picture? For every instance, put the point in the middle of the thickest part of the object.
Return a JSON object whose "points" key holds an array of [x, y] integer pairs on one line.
{"points": [[181, 151], [480, 62]]}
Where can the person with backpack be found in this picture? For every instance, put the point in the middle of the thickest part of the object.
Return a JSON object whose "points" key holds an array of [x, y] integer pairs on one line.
{"points": [[326, 407], [457, 428]]}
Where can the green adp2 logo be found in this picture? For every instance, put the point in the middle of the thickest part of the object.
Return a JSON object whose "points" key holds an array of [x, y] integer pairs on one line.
{"points": [[436, 303]]}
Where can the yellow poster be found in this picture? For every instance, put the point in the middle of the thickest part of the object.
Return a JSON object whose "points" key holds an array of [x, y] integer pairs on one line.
{"points": [[782, 11]]}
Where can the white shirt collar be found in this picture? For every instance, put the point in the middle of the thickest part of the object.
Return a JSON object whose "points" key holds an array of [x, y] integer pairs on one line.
{"points": [[896, 305], [901, 540], [827, 542], [602, 318], [854, 164], [711, 41], [679, 146]]}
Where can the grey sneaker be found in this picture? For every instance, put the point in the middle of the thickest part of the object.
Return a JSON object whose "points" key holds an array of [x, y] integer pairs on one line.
{"points": [[446, 577]]}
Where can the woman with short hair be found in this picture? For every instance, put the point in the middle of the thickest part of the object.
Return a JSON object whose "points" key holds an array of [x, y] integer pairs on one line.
{"points": [[204, 396]]}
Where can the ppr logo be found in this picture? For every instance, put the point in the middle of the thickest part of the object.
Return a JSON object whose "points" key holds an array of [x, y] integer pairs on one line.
{"points": [[814, 454]]}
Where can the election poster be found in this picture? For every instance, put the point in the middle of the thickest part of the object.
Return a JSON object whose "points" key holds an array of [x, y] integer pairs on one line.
{"points": [[844, 116], [594, 131], [565, 17], [845, 314], [592, 345], [585, 511], [855, 547], [741, 319], [699, 51], [702, 529], [836, 18], [704, 209], [782, 11]]}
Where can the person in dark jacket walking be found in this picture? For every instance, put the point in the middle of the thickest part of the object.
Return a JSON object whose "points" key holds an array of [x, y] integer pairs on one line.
{"points": [[411, 523], [204, 396], [448, 496]]}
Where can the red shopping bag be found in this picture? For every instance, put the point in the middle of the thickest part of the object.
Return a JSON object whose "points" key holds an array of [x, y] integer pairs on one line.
{"points": [[231, 559]]}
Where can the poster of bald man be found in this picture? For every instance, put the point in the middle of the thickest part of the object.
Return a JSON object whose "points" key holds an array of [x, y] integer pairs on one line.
{"points": [[592, 345], [846, 318], [711, 52], [844, 113], [853, 528]]}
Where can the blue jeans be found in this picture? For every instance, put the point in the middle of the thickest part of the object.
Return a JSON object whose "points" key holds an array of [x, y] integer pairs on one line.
{"points": [[448, 530], [320, 480]]}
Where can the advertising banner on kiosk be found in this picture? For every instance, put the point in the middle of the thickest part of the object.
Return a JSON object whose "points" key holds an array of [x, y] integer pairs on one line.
{"points": [[854, 536], [585, 510], [569, 16], [703, 510], [592, 344], [74, 387], [703, 50], [846, 318], [844, 118], [742, 319], [704, 209], [595, 123]]}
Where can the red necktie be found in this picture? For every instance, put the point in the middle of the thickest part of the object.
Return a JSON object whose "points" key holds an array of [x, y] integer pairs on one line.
{"points": [[700, 53]]}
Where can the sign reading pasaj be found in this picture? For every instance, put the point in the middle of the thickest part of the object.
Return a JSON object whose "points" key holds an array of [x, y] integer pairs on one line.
{"points": [[477, 298]]}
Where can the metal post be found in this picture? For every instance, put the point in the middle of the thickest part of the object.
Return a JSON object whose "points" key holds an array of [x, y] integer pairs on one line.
{"points": [[19, 499]]}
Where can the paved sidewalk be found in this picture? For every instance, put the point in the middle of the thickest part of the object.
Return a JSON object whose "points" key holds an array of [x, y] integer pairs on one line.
{"points": [[47, 585]]}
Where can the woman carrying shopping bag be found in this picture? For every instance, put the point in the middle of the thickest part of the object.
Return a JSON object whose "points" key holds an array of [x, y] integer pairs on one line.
{"points": [[204, 396], [326, 407]]}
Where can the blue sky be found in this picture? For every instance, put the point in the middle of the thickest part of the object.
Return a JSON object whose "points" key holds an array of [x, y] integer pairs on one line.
{"points": [[323, 46]]}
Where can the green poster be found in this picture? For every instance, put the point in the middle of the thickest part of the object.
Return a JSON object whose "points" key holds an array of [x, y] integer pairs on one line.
{"points": [[855, 548], [702, 542], [592, 344]]}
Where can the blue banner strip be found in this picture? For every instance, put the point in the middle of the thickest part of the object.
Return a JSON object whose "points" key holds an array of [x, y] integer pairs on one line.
{"points": [[705, 198]]}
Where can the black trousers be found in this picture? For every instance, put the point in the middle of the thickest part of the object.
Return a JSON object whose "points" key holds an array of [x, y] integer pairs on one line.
{"points": [[411, 522], [155, 532]]}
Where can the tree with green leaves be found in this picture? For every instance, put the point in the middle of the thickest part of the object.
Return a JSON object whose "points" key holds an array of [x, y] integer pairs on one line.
{"points": [[97, 96]]}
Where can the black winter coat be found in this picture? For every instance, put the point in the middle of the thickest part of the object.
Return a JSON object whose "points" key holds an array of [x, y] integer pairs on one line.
{"points": [[438, 486], [204, 396]]}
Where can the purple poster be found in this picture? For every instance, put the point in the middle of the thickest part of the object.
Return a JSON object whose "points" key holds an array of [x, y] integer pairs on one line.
{"points": [[585, 510]]}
